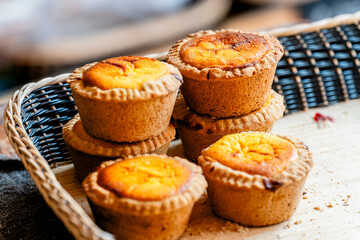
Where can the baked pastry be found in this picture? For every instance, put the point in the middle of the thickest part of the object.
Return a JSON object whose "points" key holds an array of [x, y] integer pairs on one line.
{"points": [[255, 179], [125, 99], [88, 152], [144, 197], [226, 73], [200, 131]]}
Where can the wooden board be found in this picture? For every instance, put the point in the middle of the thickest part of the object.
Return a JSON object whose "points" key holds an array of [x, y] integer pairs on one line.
{"points": [[330, 208]]}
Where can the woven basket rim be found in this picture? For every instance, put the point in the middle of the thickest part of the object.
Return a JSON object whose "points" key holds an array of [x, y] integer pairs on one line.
{"points": [[61, 202]]}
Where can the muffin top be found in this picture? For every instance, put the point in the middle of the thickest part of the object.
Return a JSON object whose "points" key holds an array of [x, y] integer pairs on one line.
{"points": [[224, 54], [146, 178], [253, 153], [129, 72], [225, 50]]}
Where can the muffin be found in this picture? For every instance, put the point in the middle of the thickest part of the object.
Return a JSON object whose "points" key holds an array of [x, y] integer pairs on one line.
{"points": [[144, 197], [125, 99], [255, 179], [88, 152], [226, 73], [200, 131]]}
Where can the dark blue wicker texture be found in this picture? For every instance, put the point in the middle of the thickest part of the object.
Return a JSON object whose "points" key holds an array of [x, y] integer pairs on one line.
{"points": [[341, 41], [44, 112], [47, 109]]}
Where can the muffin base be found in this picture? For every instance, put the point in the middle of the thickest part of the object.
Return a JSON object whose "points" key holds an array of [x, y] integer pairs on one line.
{"points": [[261, 209], [169, 226], [228, 97], [125, 121]]}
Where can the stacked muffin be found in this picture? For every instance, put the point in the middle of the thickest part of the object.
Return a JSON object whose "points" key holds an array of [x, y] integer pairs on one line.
{"points": [[125, 106], [227, 86]]}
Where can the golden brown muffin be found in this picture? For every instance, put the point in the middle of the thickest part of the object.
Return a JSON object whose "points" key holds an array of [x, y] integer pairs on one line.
{"points": [[125, 99], [88, 152], [144, 197], [200, 131], [226, 73], [255, 179]]}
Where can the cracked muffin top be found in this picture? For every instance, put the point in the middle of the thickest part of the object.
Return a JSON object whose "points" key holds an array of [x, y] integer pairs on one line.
{"points": [[253, 153], [124, 72], [224, 54], [225, 50], [146, 178]]}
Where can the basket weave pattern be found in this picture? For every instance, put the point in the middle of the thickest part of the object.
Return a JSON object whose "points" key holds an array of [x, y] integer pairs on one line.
{"points": [[320, 67]]}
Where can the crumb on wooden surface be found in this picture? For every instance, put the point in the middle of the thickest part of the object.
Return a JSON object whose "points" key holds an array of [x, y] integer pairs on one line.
{"points": [[317, 208], [297, 222], [346, 201]]}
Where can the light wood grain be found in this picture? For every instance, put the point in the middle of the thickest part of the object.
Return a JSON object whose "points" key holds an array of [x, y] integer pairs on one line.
{"points": [[330, 209]]}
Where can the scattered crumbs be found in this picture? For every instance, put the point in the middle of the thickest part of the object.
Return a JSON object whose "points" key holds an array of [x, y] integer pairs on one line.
{"points": [[304, 197], [331, 179], [297, 222], [304, 193], [337, 203], [311, 219], [317, 208], [219, 233], [345, 112], [330, 171], [286, 226], [358, 211], [234, 227], [330, 205], [346, 201]]}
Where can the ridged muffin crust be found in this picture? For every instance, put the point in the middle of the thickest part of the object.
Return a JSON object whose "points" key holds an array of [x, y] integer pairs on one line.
{"points": [[75, 136]]}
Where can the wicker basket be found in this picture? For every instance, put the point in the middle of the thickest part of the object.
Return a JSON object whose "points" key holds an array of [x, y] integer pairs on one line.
{"points": [[320, 67]]}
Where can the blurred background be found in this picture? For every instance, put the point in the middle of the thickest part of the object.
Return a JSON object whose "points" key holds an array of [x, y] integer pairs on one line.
{"points": [[40, 38]]}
